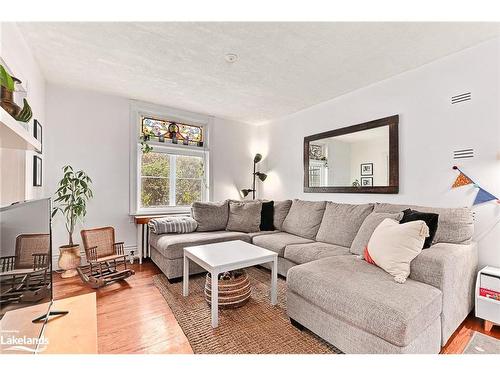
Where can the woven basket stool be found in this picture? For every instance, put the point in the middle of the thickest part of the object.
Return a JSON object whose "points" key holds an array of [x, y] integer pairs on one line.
{"points": [[234, 289]]}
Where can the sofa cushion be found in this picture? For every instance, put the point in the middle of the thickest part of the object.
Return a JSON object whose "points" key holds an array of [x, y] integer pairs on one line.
{"points": [[341, 222], [307, 252], [244, 216], [172, 245], [365, 296], [455, 225], [371, 222], [430, 219], [210, 215], [278, 241], [261, 233], [267, 216], [281, 209], [304, 218]]}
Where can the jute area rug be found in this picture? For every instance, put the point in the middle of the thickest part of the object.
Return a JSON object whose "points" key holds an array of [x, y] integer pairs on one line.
{"points": [[255, 328]]}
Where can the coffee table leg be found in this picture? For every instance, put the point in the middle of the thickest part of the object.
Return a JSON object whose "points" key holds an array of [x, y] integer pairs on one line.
{"points": [[185, 277], [274, 281], [215, 299]]}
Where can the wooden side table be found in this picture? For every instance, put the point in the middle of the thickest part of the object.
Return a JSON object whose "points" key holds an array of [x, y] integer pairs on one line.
{"points": [[487, 308]]}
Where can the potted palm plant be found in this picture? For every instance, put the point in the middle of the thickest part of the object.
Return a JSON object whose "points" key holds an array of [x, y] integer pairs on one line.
{"points": [[71, 200]]}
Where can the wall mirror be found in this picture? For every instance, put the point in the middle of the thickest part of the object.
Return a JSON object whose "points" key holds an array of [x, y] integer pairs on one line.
{"points": [[361, 158]]}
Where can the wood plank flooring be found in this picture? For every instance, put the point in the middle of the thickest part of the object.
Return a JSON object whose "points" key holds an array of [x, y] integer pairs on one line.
{"points": [[133, 317]]}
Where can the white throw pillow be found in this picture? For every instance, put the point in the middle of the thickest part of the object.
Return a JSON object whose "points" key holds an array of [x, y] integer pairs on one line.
{"points": [[393, 246]]}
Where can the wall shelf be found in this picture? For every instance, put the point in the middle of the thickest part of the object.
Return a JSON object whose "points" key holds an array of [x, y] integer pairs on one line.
{"points": [[14, 135]]}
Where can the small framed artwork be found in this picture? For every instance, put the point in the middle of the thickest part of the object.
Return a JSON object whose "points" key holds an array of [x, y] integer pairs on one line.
{"points": [[37, 171], [367, 169], [366, 181], [37, 132]]}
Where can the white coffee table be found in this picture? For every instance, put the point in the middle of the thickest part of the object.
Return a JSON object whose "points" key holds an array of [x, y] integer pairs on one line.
{"points": [[221, 257]]}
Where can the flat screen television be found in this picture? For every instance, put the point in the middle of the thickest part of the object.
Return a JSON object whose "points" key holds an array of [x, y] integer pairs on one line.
{"points": [[26, 260]]}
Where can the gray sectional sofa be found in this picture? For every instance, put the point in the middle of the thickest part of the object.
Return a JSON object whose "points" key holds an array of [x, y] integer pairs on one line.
{"points": [[350, 303]]}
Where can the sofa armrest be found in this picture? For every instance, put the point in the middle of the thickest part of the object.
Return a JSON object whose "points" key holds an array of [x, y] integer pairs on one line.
{"points": [[452, 269]]}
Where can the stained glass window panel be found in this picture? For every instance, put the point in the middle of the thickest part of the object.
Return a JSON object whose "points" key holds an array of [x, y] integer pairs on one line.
{"points": [[163, 130]]}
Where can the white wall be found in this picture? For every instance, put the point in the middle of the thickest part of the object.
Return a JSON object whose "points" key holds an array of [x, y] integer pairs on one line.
{"points": [[430, 129], [90, 131], [16, 166]]}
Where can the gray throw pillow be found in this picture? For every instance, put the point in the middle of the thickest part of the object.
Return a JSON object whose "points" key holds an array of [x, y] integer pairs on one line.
{"points": [[455, 225], [304, 218], [210, 216], [341, 222], [244, 216], [281, 209], [371, 222]]}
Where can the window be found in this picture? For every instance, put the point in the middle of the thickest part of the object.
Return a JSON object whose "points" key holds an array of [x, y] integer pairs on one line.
{"points": [[174, 173], [318, 172], [171, 180]]}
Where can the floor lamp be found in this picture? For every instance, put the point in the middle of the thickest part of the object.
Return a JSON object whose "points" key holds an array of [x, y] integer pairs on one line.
{"points": [[260, 175]]}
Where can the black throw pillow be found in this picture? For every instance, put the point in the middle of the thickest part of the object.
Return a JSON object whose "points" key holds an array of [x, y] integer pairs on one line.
{"points": [[430, 219], [267, 216]]}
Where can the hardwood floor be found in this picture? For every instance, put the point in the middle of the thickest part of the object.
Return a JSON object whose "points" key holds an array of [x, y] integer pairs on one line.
{"points": [[133, 317], [459, 340]]}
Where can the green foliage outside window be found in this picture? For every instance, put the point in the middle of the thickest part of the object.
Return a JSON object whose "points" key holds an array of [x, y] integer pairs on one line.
{"points": [[156, 180]]}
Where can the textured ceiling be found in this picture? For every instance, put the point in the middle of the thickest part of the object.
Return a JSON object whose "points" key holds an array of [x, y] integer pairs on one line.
{"points": [[282, 67]]}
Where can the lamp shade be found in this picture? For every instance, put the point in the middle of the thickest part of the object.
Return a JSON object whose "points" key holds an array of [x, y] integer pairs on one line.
{"points": [[245, 192], [262, 176], [257, 158]]}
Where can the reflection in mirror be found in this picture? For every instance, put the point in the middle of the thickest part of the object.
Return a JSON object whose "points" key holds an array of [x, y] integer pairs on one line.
{"points": [[356, 159]]}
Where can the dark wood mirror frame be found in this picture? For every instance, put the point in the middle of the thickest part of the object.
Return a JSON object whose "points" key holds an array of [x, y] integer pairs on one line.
{"points": [[393, 188]]}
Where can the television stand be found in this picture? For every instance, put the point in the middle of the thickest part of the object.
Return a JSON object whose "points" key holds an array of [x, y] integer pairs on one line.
{"points": [[45, 317]]}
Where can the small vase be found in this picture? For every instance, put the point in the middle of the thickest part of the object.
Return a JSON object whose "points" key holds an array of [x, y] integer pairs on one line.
{"points": [[69, 260]]}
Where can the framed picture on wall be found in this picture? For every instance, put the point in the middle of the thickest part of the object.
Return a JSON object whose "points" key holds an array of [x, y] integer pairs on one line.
{"points": [[37, 132], [366, 169], [37, 171], [366, 181]]}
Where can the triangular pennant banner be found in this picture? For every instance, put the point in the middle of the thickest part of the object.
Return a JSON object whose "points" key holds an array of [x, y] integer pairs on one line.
{"points": [[483, 196], [462, 180]]}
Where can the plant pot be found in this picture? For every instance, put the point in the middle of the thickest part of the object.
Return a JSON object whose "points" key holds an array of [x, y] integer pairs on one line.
{"points": [[7, 102], [69, 260]]}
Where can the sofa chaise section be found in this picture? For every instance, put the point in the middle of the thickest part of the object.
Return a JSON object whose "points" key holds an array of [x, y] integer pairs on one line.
{"points": [[353, 296]]}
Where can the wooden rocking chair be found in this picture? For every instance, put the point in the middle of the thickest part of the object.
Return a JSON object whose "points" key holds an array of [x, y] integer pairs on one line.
{"points": [[104, 257]]}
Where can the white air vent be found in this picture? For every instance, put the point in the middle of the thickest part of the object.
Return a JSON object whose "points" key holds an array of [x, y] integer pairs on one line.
{"points": [[466, 153], [461, 98]]}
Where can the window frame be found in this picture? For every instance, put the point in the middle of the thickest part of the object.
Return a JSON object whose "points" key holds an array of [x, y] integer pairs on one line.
{"points": [[139, 110]]}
